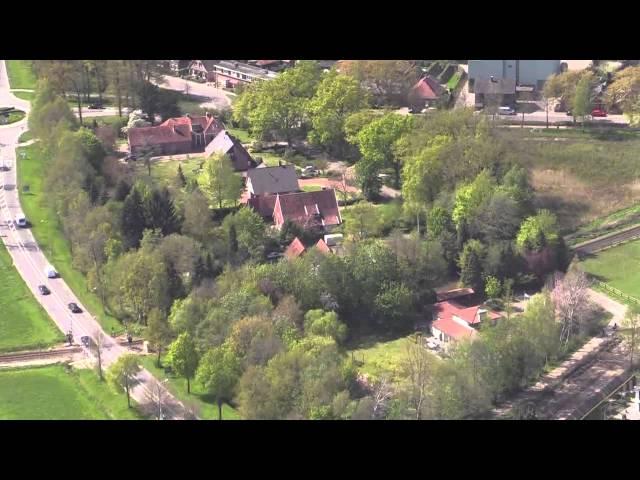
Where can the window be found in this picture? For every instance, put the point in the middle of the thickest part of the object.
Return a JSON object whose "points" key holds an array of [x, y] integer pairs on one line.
{"points": [[244, 77]]}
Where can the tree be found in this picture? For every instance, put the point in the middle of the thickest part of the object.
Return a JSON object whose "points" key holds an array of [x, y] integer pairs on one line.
{"points": [[198, 222], [181, 181], [389, 81], [582, 99], [363, 221], [377, 139], [492, 287], [367, 174], [123, 372], [319, 322], [571, 298], [422, 173], [160, 212], [99, 345], [631, 331], [218, 372], [563, 85], [470, 197], [624, 92], [394, 305], [249, 232], [418, 366], [218, 181], [335, 99], [538, 231], [470, 264], [132, 220], [183, 357], [158, 332]]}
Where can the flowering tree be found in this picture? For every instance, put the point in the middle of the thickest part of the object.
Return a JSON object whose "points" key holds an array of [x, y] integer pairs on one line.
{"points": [[571, 298]]}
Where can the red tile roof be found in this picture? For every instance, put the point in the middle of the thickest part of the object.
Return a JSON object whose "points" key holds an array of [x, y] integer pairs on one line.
{"points": [[427, 88], [173, 130], [447, 310], [323, 247], [264, 204], [308, 208], [295, 249]]}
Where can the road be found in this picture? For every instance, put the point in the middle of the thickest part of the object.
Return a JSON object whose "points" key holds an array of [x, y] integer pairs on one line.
{"points": [[600, 243], [30, 261], [216, 97]]}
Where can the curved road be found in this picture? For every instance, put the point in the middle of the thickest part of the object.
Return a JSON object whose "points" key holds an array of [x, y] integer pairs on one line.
{"points": [[30, 261]]}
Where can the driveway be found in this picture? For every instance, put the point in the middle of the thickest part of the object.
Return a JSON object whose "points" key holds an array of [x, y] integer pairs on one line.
{"points": [[216, 98], [30, 261]]}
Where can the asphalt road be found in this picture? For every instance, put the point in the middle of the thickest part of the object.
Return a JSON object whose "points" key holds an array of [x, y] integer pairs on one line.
{"points": [[31, 262], [215, 97]]}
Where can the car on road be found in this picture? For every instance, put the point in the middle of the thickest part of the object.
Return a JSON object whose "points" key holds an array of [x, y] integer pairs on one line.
{"points": [[274, 255], [95, 106], [310, 171], [75, 308], [86, 341], [133, 158], [21, 221], [598, 112], [50, 272], [43, 290]]}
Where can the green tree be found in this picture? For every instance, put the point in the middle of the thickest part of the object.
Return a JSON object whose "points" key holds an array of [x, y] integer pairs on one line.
{"points": [[367, 174], [132, 220], [422, 174], [538, 231], [363, 221], [183, 357], [470, 197], [218, 181], [376, 140], [319, 322], [336, 97], [160, 212], [631, 331], [393, 305], [389, 81], [492, 287], [249, 233], [218, 372], [583, 97], [624, 92], [123, 372], [158, 332], [470, 264]]}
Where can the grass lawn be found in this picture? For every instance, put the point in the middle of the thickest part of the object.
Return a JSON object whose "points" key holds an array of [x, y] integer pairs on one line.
{"points": [[311, 188], [166, 171], [102, 121], [381, 357], [454, 80], [13, 117], [28, 96], [47, 230], [240, 134], [25, 137], [52, 393], [618, 266], [24, 324], [20, 74], [178, 387]]}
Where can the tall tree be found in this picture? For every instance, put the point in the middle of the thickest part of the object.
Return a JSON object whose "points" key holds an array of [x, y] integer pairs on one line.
{"points": [[132, 219], [160, 212], [123, 372], [218, 181], [183, 357], [583, 97], [471, 265], [218, 372], [158, 332], [389, 81], [631, 331]]}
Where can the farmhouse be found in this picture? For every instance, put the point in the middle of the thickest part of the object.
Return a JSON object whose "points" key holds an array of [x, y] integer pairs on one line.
{"points": [[179, 135], [272, 180], [454, 321], [426, 93], [227, 144], [308, 209]]}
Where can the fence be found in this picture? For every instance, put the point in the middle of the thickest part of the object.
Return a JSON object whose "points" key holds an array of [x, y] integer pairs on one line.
{"points": [[620, 294]]}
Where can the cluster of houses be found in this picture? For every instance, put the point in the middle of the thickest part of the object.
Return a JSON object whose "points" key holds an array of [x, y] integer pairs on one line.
{"points": [[273, 192]]}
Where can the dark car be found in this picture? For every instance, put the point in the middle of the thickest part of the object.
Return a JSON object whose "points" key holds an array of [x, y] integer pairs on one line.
{"points": [[43, 290], [75, 308], [133, 158], [86, 341], [96, 106]]}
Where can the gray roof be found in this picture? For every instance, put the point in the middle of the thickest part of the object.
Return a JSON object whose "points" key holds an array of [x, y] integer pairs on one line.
{"points": [[497, 86], [222, 143], [246, 69], [279, 179]]}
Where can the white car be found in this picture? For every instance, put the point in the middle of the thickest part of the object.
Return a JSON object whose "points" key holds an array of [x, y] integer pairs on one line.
{"points": [[50, 272], [506, 111], [21, 221]]}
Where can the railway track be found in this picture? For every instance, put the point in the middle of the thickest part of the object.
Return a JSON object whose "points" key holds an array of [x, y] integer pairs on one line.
{"points": [[25, 356], [597, 244]]}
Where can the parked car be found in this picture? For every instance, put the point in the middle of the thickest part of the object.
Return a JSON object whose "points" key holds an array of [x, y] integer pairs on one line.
{"points": [[506, 111], [274, 255], [133, 158], [75, 308], [43, 290], [597, 112], [95, 106]]}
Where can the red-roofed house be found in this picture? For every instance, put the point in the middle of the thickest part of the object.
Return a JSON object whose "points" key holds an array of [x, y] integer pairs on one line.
{"points": [[323, 247], [426, 93], [295, 249], [454, 321], [308, 209], [179, 135]]}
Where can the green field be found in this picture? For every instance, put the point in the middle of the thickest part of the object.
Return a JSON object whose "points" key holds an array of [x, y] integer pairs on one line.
{"points": [[208, 408], [52, 393], [25, 137], [20, 74], [165, 172], [378, 357], [47, 230], [618, 266], [24, 324], [28, 96], [240, 134]]}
